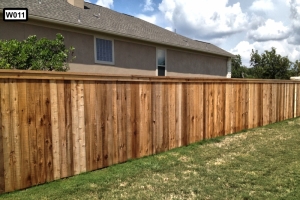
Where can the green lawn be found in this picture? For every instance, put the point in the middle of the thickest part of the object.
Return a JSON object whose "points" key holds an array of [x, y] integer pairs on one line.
{"points": [[262, 163]]}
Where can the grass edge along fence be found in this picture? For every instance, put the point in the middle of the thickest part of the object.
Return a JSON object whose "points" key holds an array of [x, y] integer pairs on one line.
{"points": [[56, 125]]}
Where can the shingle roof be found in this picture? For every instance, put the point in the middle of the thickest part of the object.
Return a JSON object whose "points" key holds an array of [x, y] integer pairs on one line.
{"points": [[110, 21]]}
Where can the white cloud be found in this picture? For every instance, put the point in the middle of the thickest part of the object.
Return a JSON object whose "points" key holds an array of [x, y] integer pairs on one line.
{"points": [[271, 30], [169, 28], [295, 18], [256, 21], [243, 48], [262, 5], [204, 19], [148, 5], [105, 3], [151, 19], [283, 48]]}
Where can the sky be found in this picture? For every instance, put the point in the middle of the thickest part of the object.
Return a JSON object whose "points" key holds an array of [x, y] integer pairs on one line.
{"points": [[235, 26]]}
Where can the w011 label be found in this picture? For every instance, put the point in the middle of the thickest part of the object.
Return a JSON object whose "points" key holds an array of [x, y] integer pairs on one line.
{"points": [[15, 14]]}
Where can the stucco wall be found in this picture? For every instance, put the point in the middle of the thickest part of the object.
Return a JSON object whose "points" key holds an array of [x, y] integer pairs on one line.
{"points": [[130, 57], [179, 62]]}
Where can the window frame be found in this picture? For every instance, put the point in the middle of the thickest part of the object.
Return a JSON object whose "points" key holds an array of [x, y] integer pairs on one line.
{"points": [[95, 50], [166, 62]]}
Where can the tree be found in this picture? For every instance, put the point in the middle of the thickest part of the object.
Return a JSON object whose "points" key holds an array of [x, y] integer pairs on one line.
{"points": [[34, 54], [237, 70], [295, 71], [270, 65]]}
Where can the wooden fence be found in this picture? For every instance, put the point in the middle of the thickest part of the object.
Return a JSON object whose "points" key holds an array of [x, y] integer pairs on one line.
{"points": [[55, 125]]}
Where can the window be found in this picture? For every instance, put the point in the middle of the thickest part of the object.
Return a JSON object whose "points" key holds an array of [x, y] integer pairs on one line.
{"points": [[161, 62], [104, 51]]}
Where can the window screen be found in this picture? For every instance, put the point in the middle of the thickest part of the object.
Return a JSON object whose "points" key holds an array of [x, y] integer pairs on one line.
{"points": [[104, 50]]}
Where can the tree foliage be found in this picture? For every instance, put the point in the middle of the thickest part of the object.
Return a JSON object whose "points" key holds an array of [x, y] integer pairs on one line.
{"points": [[34, 54], [237, 70], [295, 71], [268, 65]]}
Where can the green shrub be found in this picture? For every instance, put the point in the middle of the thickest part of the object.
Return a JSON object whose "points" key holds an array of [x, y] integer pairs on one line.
{"points": [[34, 54]]}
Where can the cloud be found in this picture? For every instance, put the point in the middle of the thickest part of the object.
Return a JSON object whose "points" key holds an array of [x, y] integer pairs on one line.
{"points": [[271, 30], [256, 21], [207, 19], [169, 28], [295, 18], [105, 3], [262, 5], [151, 19], [283, 48], [148, 5], [244, 49]]}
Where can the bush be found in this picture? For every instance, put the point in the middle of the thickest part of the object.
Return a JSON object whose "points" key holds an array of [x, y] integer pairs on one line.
{"points": [[34, 54]]}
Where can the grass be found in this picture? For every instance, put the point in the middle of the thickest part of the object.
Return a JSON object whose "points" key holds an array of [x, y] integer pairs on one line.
{"points": [[261, 163]]}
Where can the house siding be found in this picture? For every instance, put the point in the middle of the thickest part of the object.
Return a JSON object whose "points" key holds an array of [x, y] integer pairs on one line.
{"points": [[133, 58], [193, 64]]}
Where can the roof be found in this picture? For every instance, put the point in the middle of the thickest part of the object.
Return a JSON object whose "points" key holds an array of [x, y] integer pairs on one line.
{"points": [[109, 21]]}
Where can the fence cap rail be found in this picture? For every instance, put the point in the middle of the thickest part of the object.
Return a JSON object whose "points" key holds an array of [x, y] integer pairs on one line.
{"points": [[52, 75]]}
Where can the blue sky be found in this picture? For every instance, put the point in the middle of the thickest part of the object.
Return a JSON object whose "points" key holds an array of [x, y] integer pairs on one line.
{"points": [[234, 25]]}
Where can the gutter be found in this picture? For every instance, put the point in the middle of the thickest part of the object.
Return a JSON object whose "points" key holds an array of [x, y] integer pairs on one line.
{"points": [[116, 33]]}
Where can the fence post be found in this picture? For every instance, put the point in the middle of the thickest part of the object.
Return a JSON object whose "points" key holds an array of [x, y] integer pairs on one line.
{"points": [[295, 102]]}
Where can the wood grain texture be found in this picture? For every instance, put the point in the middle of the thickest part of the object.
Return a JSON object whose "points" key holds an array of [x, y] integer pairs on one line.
{"points": [[172, 115], [115, 153], [2, 146], [52, 129], [121, 120], [6, 137], [75, 128], [88, 126], [129, 120], [291, 101], [94, 136], [298, 100], [81, 126], [165, 116], [200, 120], [40, 127], [15, 134], [55, 130], [178, 100], [31, 103], [100, 123], [206, 111], [48, 147], [228, 110], [184, 99]]}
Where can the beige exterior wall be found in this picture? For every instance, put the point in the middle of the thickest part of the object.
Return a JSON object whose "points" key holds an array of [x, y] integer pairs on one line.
{"points": [[179, 62], [131, 57]]}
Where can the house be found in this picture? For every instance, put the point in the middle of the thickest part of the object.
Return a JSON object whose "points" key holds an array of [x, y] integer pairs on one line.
{"points": [[106, 41]]}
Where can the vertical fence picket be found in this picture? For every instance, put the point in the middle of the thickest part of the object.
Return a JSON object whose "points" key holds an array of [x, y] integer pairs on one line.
{"points": [[298, 100], [55, 130], [178, 99], [6, 137], [2, 146]]}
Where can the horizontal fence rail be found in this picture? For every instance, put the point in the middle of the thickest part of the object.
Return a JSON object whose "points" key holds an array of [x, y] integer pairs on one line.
{"points": [[67, 124]]}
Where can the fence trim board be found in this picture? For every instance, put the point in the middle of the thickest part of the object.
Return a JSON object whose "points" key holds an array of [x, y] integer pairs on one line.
{"points": [[54, 75]]}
